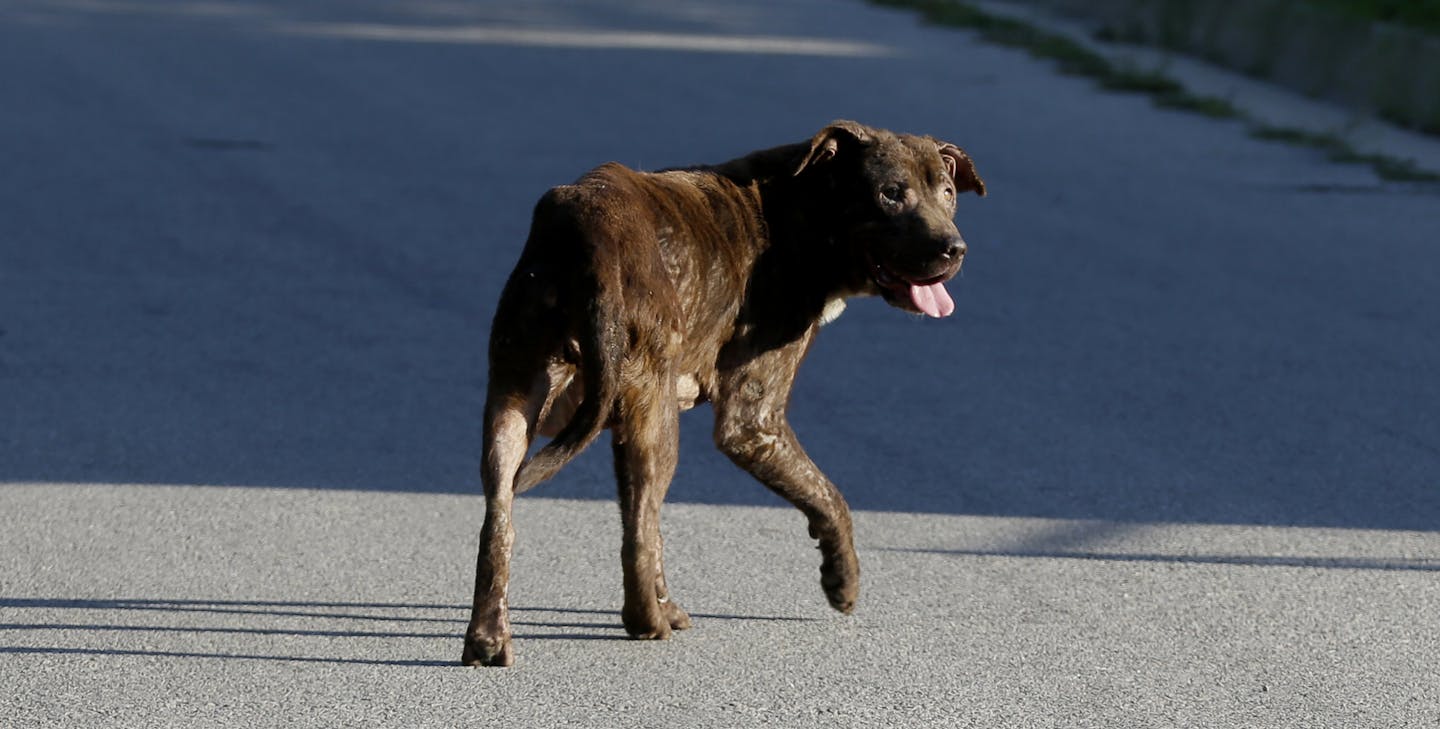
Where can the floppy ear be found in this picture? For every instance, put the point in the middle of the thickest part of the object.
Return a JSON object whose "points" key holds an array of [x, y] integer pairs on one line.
{"points": [[960, 168], [826, 144]]}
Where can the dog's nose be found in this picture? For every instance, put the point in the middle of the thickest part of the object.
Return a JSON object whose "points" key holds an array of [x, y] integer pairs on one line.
{"points": [[953, 248]]}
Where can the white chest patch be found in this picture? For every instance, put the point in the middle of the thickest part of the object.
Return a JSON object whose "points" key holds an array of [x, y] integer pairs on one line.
{"points": [[832, 311], [687, 391]]}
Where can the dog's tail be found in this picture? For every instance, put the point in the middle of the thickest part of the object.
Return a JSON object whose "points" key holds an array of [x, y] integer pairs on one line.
{"points": [[601, 350]]}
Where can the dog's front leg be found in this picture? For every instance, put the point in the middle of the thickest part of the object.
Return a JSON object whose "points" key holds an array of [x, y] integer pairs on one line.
{"points": [[751, 428]]}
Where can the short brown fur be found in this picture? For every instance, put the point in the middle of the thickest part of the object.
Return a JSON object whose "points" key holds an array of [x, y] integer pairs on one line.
{"points": [[640, 294]]}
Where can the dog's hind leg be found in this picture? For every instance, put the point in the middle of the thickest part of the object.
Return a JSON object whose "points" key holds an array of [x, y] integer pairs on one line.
{"points": [[510, 418], [646, 445]]}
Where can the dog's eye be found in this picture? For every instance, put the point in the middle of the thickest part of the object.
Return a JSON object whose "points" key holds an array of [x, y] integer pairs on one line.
{"points": [[893, 194], [949, 193]]}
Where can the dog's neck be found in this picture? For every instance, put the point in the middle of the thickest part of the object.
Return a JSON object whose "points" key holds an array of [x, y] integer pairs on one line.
{"points": [[800, 216], [805, 270]]}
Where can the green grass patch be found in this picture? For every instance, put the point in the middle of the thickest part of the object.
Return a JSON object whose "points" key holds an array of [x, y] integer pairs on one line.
{"points": [[1396, 170], [1338, 150], [1071, 57], [1140, 82], [1211, 106], [1298, 137], [1168, 93]]}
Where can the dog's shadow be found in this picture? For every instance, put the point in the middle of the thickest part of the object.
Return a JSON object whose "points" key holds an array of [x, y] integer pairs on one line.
{"points": [[87, 622]]}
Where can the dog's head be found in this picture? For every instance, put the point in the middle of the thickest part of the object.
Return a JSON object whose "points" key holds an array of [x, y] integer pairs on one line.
{"points": [[895, 196]]}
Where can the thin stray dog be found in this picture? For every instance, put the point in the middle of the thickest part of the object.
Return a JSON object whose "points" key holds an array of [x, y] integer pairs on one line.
{"points": [[640, 294]]}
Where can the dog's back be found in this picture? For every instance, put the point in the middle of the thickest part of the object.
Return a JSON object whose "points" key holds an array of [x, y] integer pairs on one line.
{"points": [[623, 265]]}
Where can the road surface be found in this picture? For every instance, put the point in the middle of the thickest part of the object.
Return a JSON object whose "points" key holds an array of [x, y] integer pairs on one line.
{"points": [[1175, 460]]}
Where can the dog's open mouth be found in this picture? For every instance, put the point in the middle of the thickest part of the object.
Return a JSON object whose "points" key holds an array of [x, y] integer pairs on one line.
{"points": [[927, 296]]}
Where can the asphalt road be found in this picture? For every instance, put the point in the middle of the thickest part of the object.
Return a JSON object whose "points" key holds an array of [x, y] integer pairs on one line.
{"points": [[1175, 460]]}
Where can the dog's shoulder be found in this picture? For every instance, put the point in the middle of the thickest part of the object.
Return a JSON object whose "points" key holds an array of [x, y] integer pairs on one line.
{"points": [[762, 165]]}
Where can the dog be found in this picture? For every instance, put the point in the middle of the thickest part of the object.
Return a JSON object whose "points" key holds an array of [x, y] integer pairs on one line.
{"points": [[638, 295]]}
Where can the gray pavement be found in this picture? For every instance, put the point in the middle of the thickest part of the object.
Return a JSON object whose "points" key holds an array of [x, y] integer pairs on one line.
{"points": [[1175, 461]]}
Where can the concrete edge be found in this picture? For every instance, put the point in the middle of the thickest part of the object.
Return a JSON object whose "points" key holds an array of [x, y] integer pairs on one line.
{"points": [[1264, 103]]}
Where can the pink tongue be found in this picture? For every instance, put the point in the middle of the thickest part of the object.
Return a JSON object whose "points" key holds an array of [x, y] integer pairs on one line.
{"points": [[934, 300]]}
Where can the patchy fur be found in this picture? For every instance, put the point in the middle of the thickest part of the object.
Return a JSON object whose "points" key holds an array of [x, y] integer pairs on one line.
{"points": [[640, 294]]}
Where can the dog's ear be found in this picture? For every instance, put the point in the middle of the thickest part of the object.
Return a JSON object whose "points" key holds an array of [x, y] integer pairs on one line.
{"points": [[960, 168], [826, 144]]}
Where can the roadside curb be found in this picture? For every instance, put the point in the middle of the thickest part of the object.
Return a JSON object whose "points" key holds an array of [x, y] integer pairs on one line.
{"points": [[1267, 105], [1378, 68]]}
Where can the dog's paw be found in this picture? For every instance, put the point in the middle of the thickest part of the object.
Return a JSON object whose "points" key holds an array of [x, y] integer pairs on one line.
{"points": [[488, 651], [648, 624], [675, 615], [658, 631], [841, 582]]}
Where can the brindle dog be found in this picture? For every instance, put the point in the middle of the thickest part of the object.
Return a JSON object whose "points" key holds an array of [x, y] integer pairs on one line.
{"points": [[640, 294]]}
